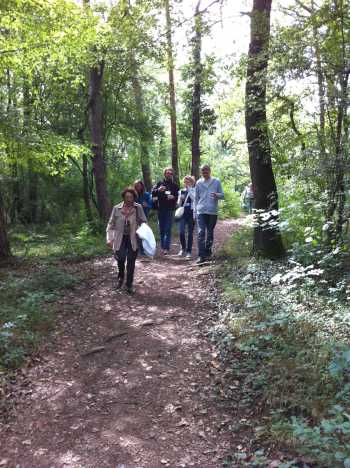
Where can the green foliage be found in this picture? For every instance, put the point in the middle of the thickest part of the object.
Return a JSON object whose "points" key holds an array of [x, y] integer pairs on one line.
{"points": [[26, 313], [59, 242], [231, 206], [294, 352]]}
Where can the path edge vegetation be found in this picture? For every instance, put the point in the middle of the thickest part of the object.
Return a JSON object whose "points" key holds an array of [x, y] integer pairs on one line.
{"points": [[284, 347]]}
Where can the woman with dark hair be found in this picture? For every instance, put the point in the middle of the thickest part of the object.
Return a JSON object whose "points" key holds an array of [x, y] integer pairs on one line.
{"points": [[143, 198], [126, 217]]}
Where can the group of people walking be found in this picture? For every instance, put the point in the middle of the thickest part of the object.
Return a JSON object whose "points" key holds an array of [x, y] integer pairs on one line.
{"points": [[198, 202]]}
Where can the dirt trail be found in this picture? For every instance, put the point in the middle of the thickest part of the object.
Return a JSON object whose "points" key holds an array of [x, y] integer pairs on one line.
{"points": [[125, 382]]}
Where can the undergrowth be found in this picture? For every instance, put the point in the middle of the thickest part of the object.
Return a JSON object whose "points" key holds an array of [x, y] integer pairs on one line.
{"points": [[290, 324], [26, 312], [59, 242]]}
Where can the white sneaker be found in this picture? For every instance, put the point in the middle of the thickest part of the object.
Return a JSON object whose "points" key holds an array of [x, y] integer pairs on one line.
{"points": [[181, 253], [188, 255]]}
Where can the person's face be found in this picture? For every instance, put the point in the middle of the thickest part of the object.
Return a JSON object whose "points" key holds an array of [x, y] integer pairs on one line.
{"points": [[168, 174], [129, 198], [138, 187], [206, 172], [188, 183]]}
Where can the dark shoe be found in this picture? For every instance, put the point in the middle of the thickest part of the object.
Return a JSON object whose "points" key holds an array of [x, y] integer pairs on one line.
{"points": [[130, 290], [200, 260], [120, 282]]}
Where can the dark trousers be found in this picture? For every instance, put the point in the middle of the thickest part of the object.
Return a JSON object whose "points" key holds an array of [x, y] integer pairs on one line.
{"points": [[165, 222], [186, 224], [206, 225], [128, 255]]}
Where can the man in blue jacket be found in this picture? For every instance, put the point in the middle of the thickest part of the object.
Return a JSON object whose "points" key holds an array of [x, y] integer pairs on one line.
{"points": [[207, 194]]}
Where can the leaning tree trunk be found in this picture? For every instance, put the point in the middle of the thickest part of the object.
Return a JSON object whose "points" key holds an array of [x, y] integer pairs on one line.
{"points": [[267, 237], [96, 131], [172, 99], [5, 252], [196, 98]]}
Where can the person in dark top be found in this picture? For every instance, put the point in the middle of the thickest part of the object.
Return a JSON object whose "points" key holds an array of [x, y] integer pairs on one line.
{"points": [[186, 223], [164, 197]]}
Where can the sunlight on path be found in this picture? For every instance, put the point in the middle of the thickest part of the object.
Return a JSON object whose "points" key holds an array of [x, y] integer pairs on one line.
{"points": [[127, 383]]}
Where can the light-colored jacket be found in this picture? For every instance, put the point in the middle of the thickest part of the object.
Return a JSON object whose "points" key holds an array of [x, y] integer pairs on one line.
{"points": [[116, 223], [204, 202]]}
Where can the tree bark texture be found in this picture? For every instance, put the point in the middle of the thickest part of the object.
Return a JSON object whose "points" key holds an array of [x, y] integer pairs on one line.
{"points": [[267, 237], [338, 105], [96, 132], [5, 251], [196, 97], [142, 128], [172, 97]]}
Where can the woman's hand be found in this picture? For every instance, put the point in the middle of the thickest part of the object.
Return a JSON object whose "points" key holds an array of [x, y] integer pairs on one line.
{"points": [[110, 244]]}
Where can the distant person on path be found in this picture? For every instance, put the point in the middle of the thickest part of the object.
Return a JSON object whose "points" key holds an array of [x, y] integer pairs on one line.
{"points": [[248, 198], [126, 217], [207, 194], [186, 223], [164, 197], [145, 200]]}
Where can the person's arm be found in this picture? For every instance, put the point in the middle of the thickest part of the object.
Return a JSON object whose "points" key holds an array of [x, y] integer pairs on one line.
{"points": [[179, 198], [219, 193], [110, 230], [195, 200]]}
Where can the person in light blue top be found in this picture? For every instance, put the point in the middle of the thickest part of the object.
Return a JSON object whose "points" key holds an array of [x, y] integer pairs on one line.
{"points": [[208, 192]]}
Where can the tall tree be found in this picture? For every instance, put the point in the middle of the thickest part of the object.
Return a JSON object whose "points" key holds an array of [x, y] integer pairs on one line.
{"points": [[172, 98], [196, 97], [141, 126], [267, 237], [5, 252], [95, 109]]}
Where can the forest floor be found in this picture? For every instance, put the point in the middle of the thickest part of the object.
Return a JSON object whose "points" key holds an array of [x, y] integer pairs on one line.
{"points": [[125, 381]]}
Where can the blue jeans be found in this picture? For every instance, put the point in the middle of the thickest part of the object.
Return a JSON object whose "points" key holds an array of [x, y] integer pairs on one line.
{"points": [[165, 222], [206, 225], [186, 224]]}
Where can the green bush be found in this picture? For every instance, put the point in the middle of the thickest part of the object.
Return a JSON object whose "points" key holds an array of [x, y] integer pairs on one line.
{"points": [[293, 340], [231, 206]]}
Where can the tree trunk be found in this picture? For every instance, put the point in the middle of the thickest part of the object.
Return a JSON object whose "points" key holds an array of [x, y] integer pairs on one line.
{"points": [[86, 190], [267, 237], [335, 216], [33, 180], [31, 210], [96, 132], [196, 98], [5, 252], [172, 99], [142, 127], [85, 175]]}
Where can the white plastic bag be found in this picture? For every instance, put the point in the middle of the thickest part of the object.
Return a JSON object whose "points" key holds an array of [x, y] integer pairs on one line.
{"points": [[145, 233], [179, 212]]}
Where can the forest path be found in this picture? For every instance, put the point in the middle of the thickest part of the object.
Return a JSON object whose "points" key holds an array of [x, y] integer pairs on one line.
{"points": [[126, 381]]}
